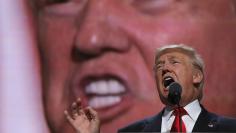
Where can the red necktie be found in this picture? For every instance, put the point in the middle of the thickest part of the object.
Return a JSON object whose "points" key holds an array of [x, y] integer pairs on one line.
{"points": [[178, 124]]}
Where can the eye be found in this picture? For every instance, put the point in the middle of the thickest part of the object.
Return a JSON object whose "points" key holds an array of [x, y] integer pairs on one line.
{"points": [[174, 62], [152, 6], [56, 1], [60, 8], [159, 66], [40, 4]]}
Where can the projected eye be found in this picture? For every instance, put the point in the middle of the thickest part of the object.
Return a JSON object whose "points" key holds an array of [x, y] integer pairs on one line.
{"points": [[62, 7], [49, 2], [152, 6]]}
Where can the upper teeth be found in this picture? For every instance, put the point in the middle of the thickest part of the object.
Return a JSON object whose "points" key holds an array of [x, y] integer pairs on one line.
{"points": [[168, 78], [104, 87]]}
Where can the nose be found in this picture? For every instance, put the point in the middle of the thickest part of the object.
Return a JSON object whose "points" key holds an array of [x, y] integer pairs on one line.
{"points": [[97, 32], [166, 68]]}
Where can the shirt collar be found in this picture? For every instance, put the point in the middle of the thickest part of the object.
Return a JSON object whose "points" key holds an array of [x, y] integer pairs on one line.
{"points": [[193, 109], [167, 113]]}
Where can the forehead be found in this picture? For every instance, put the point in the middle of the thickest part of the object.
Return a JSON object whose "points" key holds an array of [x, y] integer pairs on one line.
{"points": [[173, 55]]}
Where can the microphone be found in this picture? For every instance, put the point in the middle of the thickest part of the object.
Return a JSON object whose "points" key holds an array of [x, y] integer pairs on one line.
{"points": [[175, 91]]}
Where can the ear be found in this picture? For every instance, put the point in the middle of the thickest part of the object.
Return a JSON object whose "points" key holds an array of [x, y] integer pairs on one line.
{"points": [[197, 76]]}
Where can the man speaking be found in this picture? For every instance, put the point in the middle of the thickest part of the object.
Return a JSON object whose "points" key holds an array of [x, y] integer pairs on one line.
{"points": [[179, 73]]}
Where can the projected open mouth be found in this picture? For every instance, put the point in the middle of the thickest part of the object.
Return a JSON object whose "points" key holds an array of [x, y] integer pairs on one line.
{"points": [[107, 92]]}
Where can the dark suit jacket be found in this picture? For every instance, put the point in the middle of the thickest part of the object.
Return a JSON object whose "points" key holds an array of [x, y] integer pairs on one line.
{"points": [[206, 122]]}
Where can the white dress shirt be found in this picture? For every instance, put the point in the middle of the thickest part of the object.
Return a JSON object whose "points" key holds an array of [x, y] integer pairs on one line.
{"points": [[193, 109]]}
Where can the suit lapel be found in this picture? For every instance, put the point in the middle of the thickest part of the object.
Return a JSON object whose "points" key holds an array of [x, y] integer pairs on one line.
{"points": [[154, 124], [205, 122]]}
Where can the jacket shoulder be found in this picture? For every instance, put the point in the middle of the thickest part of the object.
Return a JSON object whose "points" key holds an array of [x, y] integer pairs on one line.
{"points": [[227, 124], [211, 122], [223, 124], [138, 126]]}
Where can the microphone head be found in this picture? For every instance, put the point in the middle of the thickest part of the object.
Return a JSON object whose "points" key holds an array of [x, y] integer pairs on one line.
{"points": [[175, 91]]}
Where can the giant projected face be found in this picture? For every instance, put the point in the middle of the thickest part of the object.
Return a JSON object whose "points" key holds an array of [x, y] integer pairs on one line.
{"points": [[103, 51]]}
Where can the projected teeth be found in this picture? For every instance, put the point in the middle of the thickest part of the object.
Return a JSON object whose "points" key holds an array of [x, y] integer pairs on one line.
{"points": [[104, 87], [107, 93], [105, 101]]}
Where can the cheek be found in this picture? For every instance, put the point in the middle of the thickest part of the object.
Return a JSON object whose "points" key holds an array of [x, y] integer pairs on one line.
{"points": [[157, 79], [56, 42], [56, 30], [184, 75]]}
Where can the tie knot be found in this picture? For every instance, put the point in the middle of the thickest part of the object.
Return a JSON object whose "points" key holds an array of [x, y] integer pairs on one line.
{"points": [[180, 111]]}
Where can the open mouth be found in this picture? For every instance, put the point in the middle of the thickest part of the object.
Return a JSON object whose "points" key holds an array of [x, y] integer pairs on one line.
{"points": [[108, 95], [104, 93], [105, 90], [167, 81]]}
